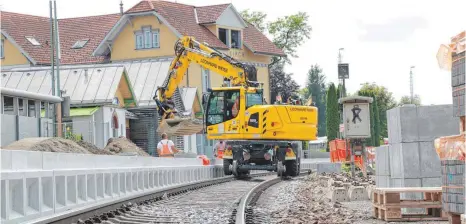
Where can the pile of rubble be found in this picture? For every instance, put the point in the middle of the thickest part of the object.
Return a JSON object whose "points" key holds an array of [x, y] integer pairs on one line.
{"points": [[304, 201], [115, 146]]}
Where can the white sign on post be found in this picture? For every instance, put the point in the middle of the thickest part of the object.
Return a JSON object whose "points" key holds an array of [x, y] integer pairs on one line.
{"points": [[357, 120]]}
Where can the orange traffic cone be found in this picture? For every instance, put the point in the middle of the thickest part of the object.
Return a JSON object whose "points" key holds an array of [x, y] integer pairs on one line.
{"points": [[205, 160]]}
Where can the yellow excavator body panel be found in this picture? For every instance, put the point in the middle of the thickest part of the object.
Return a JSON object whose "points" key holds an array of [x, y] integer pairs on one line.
{"points": [[262, 122]]}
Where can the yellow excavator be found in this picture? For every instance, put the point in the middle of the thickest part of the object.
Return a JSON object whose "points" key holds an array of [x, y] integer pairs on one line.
{"points": [[258, 136]]}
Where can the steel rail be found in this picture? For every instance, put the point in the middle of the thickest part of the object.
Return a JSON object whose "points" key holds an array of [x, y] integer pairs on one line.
{"points": [[101, 210], [253, 195]]}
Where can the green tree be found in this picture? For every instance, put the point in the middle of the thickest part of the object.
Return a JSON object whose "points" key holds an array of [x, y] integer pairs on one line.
{"points": [[407, 100], [385, 101], [333, 117], [316, 88], [281, 82], [374, 140], [255, 18], [288, 33], [376, 114]]}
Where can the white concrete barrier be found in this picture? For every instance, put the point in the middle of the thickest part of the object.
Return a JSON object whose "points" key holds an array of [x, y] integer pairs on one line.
{"points": [[41, 184]]}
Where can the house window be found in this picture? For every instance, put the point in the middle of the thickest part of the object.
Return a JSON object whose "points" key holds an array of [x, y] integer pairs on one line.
{"points": [[8, 105], [2, 50], [235, 39], [147, 38], [33, 40], [80, 44], [205, 79], [223, 35], [231, 38]]}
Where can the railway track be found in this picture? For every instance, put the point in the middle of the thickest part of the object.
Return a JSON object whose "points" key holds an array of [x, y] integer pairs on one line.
{"points": [[220, 200], [244, 213]]}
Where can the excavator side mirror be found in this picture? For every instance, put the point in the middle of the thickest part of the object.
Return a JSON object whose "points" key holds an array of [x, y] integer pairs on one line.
{"points": [[205, 98]]}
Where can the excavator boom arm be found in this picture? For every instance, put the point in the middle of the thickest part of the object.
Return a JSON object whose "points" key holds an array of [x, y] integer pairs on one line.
{"points": [[188, 50]]}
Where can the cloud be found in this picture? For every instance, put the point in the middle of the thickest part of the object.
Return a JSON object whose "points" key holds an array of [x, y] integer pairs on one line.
{"points": [[395, 30]]}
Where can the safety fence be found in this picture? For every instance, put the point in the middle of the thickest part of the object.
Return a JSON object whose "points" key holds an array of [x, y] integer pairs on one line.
{"points": [[35, 185]]}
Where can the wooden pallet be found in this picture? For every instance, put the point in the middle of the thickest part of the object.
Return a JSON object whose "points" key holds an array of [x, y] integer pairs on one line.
{"points": [[387, 204], [454, 218]]}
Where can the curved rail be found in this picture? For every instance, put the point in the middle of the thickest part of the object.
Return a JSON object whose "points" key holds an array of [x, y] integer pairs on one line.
{"points": [[253, 195]]}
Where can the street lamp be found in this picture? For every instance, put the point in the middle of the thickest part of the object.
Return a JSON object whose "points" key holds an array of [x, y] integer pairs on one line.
{"points": [[411, 84]]}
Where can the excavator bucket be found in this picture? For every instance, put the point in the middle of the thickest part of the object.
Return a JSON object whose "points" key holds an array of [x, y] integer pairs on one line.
{"points": [[180, 126]]}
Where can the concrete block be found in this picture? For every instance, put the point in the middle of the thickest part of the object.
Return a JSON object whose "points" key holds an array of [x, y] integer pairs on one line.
{"points": [[393, 125], [404, 160], [323, 181], [423, 123], [347, 186], [429, 160], [408, 124], [6, 161], [329, 182], [357, 193], [382, 181], [435, 121], [432, 182], [340, 194], [329, 167], [369, 190], [382, 161]]}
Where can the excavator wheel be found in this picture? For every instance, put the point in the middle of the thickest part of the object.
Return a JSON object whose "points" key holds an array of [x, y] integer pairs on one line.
{"points": [[226, 166], [292, 168]]}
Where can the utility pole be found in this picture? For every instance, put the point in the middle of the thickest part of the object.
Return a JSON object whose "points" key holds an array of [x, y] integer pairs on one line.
{"points": [[52, 67], [56, 46], [411, 84], [342, 93]]}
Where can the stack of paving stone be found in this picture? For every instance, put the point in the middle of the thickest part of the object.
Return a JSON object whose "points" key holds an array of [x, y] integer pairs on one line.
{"points": [[458, 74], [453, 186], [410, 159]]}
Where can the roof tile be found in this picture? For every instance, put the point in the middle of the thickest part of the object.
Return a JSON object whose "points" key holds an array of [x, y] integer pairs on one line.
{"points": [[70, 30], [142, 6], [182, 18], [210, 14], [258, 42]]}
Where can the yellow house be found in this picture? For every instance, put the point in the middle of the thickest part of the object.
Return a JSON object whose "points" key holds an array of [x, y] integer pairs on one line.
{"points": [[142, 41], [150, 29]]}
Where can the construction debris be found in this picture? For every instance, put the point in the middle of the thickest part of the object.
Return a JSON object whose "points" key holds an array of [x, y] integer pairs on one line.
{"points": [[47, 145], [94, 149], [124, 146], [115, 146], [180, 126]]}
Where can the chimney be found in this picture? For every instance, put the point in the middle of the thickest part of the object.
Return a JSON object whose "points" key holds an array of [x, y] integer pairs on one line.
{"points": [[121, 7]]}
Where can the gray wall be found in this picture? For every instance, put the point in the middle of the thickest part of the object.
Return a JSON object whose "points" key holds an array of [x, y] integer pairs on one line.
{"points": [[83, 126], [46, 127], [28, 127], [8, 129], [99, 129]]}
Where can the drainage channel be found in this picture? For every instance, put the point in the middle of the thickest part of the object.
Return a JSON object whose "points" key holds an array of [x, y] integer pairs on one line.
{"points": [[211, 201]]}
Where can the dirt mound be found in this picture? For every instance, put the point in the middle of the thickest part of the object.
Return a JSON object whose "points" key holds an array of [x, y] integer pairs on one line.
{"points": [[122, 145], [47, 145], [94, 149]]}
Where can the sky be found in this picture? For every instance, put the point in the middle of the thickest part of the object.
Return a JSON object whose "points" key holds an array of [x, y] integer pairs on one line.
{"points": [[381, 39]]}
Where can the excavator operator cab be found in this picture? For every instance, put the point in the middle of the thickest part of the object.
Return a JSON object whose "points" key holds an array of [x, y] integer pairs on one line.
{"points": [[224, 104]]}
